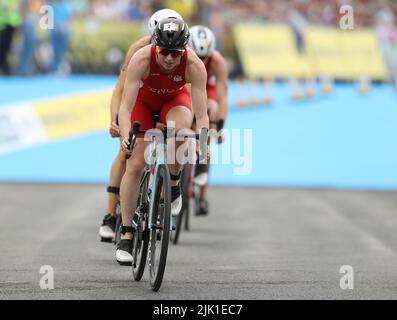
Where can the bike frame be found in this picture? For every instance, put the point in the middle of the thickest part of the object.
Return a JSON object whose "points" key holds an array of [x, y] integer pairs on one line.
{"points": [[158, 151]]}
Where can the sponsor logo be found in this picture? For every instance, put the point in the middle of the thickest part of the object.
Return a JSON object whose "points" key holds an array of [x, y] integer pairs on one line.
{"points": [[20, 127], [161, 90], [178, 78]]}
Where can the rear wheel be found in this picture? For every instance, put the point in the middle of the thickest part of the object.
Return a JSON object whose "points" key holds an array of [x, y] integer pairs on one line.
{"points": [[178, 226], [160, 227], [183, 215], [117, 230], [189, 195], [140, 249]]}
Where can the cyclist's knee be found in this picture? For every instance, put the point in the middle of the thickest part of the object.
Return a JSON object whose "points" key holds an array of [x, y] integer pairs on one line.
{"points": [[183, 126], [134, 168], [121, 156], [181, 117]]}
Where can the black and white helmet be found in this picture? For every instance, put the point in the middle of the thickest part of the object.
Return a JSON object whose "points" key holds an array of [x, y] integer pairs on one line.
{"points": [[202, 41], [171, 33], [160, 15]]}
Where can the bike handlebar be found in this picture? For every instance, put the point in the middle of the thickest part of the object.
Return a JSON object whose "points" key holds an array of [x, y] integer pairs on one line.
{"points": [[165, 133], [132, 137]]}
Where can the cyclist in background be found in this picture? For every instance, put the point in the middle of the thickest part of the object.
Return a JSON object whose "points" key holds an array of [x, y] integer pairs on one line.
{"points": [[10, 20], [107, 229], [155, 82], [202, 41]]}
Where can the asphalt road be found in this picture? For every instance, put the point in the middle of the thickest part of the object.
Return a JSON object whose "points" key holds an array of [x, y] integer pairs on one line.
{"points": [[255, 244]]}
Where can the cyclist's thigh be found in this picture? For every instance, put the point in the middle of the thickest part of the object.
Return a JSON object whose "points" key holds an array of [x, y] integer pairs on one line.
{"points": [[178, 110], [144, 114]]}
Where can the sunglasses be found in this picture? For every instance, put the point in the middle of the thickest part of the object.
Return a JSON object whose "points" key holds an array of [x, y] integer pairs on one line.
{"points": [[166, 52]]}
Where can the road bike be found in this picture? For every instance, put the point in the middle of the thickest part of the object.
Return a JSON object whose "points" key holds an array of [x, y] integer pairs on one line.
{"points": [[153, 211]]}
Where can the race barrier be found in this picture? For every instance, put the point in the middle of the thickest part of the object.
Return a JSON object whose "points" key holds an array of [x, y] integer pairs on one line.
{"points": [[29, 124], [270, 51], [339, 140], [345, 54]]}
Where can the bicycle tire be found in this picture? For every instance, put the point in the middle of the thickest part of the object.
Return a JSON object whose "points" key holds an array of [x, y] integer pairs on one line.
{"points": [[160, 212], [117, 230], [189, 196], [178, 226], [141, 238], [185, 203], [141, 245]]}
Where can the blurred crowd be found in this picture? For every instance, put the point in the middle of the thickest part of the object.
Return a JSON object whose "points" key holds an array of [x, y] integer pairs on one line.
{"points": [[27, 16], [220, 15], [324, 12], [319, 12]]}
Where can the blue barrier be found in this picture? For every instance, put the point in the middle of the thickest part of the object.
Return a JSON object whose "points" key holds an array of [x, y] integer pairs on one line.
{"points": [[345, 140]]}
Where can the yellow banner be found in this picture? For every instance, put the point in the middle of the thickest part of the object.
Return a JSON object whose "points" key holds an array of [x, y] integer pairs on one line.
{"points": [[324, 52], [362, 53], [269, 51], [344, 54], [74, 115]]}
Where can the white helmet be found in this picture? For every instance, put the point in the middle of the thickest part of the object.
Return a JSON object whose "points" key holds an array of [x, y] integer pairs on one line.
{"points": [[202, 41], [161, 14]]}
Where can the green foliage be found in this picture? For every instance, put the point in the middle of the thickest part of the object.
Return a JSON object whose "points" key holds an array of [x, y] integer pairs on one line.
{"points": [[91, 42]]}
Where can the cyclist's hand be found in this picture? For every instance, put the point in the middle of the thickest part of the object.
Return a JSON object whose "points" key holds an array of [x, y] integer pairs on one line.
{"points": [[220, 138], [114, 130], [160, 126], [125, 146]]}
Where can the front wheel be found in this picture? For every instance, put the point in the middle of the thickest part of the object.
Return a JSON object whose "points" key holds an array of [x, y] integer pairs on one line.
{"points": [[160, 227]]}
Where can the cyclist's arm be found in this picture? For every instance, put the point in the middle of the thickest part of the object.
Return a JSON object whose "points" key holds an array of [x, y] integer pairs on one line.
{"points": [[118, 90], [196, 75], [188, 86], [138, 69], [222, 79]]}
